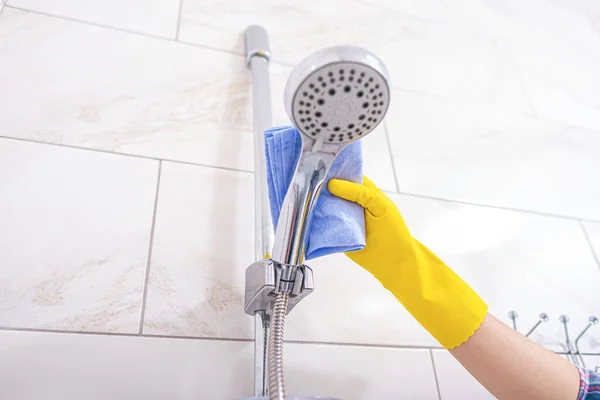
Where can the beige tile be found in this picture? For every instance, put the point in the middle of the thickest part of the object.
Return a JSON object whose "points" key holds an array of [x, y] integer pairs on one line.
{"points": [[561, 89], [154, 17], [420, 55], [588, 6], [467, 152], [69, 83], [203, 241], [74, 237], [559, 26], [138, 95], [68, 366], [593, 233], [94, 367]]}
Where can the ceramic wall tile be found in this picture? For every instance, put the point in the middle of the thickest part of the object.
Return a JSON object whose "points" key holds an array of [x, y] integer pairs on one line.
{"points": [[74, 237], [377, 159], [562, 89], [486, 156], [515, 261], [420, 55], [592, 231], [588, 6], [359, 373], [201, 248], [455, 382], [561, 28], [203, 241], [70, 83], [68, 366], [138, 95], [592, 362], [155, 17]]}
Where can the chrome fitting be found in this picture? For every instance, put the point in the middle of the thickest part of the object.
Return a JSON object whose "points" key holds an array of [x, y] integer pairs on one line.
{"points": [[257, 43], [267, 278]]}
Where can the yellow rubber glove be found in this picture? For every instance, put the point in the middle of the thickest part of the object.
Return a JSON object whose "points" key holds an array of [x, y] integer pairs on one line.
{"points": [[438, 298]]}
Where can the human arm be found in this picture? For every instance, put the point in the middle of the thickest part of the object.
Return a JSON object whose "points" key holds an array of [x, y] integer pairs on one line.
{"points": [[509, 365]]}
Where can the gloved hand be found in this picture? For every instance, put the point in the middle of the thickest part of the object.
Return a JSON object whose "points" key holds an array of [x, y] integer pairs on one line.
{"points": [[438, 298]]}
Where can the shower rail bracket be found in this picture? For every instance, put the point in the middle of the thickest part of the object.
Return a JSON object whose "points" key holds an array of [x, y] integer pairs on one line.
{"points": [[257, 44], [264, 281]]}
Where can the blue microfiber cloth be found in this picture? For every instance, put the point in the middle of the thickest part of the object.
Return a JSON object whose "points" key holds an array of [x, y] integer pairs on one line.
{"points": [[338, 225]]}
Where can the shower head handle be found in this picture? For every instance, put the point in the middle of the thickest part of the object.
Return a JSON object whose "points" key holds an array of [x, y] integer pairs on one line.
{"points": [[298, 205]]}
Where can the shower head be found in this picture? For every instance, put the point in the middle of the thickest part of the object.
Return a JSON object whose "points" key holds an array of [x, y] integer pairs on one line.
{"points": [[337, 95], [334, 97]]}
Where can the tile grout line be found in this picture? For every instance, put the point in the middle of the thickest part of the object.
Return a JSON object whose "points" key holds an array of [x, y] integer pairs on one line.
{"points": [[68, 146], [532, 212], [240, 340], [389, 144], [124, 30], [179, 20], [282, 63], [435, 376], [418, 195], [367, 345], [150, 245], [589, 240], [472, 31], [285, 64], [502, 47]]}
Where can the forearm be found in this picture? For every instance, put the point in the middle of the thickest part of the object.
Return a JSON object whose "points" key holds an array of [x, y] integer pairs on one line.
{"points": [[511, 366]]}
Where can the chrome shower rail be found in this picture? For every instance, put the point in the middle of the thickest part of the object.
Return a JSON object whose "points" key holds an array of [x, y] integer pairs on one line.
{"points": [[265, 277], [258, 56]]}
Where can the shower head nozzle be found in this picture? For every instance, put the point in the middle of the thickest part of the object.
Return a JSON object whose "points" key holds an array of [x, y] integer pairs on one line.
{"points": [[338, 95]]}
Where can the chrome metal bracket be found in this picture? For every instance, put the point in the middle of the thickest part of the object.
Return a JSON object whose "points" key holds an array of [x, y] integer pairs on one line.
{"points": [[256, 43], [266, 278]]}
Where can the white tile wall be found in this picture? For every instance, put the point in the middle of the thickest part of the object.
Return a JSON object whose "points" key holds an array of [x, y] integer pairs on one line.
{"points": [[562, 89], [424, 56], [480, 155], [494, 110], [593, 233], [155, 17], [535, 23], [137, 95], [68, 366], [74, 237], [126, 93]]}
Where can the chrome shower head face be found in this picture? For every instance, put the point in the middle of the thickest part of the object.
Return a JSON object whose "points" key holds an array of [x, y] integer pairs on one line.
{"points": [[338, 95]]}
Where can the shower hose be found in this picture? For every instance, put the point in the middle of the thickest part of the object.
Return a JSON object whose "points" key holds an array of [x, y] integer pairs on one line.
{"points": [[275, 348]]}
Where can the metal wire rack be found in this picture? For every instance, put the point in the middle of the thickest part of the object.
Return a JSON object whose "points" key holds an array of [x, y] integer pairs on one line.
{"points": [[572, 351]]}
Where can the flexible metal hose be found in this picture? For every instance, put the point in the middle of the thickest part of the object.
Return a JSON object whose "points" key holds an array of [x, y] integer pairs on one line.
{"points": [[275, 349]]}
